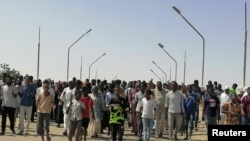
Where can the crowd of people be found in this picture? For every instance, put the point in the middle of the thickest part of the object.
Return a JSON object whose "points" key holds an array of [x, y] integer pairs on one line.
{"points": [[86, 108]]}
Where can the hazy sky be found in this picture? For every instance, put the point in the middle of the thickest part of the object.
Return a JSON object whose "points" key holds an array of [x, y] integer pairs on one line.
{"points": [[128, 32]]}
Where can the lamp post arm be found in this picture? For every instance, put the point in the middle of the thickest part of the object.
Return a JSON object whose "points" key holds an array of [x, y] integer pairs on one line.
{"points": [[94, 62], [161, 70], [170, 56], [156, 75], [79, 39], [71, 47], [203, 46]]}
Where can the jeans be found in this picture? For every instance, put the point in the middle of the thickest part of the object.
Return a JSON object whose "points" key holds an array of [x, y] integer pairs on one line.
{"points": [[196, 118], [139, 124], [188, 122], [25, 110], [43, 121], [75, 128], [148, 124], [245, 120]]}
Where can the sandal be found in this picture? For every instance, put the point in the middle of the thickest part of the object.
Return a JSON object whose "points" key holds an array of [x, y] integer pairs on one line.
{"points": [[48, 138]]}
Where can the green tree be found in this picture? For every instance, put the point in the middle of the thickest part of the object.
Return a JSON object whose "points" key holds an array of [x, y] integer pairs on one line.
{"points": [[5, 68]]}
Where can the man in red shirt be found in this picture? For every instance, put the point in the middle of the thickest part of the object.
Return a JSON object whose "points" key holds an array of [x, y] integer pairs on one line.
{"points": [[88, 102]]}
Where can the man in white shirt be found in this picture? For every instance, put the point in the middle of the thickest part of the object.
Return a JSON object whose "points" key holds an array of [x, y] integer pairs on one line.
{"points": [[66, 97], [148, 106], [75, 111], [9, 104], [173, 109], [138, 98], [224, 97]]}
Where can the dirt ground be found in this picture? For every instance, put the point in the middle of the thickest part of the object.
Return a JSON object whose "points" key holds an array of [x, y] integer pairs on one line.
{"points": [[56, 134]]}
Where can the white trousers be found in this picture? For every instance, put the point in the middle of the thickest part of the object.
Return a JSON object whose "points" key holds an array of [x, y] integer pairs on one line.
{"points": [[159, 121], [65, 121], [25, 113]]}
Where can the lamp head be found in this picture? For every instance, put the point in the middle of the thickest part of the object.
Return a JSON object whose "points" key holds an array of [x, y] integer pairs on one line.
{"points": [[89, 30], [151, 70], [176, 10], [160, 45], [153, 62], [103, 54]]}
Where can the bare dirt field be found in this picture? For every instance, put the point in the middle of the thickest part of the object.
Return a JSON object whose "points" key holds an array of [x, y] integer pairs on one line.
{"points": [[56, 134]]}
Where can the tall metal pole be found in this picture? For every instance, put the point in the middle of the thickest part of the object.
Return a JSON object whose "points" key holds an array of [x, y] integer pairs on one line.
{"points": [[155, 74], [94, 62], [245, 48], [161, 70], [184, 78], [170, 74], [203, 39], [95, 74], [71, 47], [38, 56], [162, 47], [81, 69]]}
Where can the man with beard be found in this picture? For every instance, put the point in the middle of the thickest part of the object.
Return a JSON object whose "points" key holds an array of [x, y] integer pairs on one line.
{"points": [[9, 104]]}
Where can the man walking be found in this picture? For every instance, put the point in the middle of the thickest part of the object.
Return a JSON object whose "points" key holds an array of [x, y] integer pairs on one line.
{"points": [[27, 93], [9, 104]]}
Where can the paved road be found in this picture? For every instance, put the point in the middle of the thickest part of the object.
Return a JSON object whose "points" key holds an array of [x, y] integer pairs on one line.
{"points": [[57, 135]]}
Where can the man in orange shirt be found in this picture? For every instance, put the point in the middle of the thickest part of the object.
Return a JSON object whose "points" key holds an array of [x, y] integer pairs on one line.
{"points": [[44, 104]]}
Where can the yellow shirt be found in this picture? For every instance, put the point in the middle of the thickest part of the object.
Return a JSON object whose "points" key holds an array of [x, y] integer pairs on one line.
{"points": [[44, 104]]}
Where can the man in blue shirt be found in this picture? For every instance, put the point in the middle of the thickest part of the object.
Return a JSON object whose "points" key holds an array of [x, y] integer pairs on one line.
{"points": [[189, 108], [27, 93], [197, 95]]}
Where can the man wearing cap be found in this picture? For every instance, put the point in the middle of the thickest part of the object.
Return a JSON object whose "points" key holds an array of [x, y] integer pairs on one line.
{"points": [[66, 97], [224, 98]]}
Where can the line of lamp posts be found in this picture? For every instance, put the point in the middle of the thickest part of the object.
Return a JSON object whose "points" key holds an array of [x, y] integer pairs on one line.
{"points": [[203, 52], [161, 46]]}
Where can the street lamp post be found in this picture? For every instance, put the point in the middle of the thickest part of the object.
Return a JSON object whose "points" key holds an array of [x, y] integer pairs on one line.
{"points": [[161, 70], [155, 74], [203, 39], [71, 47], [38, 56], [184, 77], [162, 47], [170, 74], [94, 62], [245, 47], [81, 70]]}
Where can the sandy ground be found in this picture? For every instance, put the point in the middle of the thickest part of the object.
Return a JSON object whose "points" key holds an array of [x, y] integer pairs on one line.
{"points": [[56, 134]]}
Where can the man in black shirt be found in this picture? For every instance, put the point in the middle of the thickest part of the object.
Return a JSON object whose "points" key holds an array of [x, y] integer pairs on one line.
{"points": [[118, 107]]}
